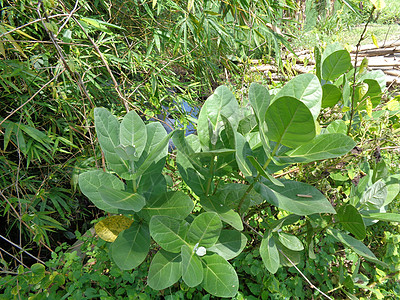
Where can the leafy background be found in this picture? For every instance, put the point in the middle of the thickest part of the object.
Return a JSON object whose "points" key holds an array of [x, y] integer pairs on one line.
{"points": [[151, 56]]}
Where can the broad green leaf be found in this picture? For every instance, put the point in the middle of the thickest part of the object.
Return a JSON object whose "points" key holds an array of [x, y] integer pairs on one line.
{"points": [[296, 197], [228, 215], [168, 233], [259, 99], [243, 151], [387, 217], [220, 278], [269, 253], [393, 188], [190, 168], [156, 149], [375, 196], [230, 244], [121, 199], [337, 126], [133, 132], [222, 102], [131, 246], [324, 146], [307, 89], [109, 228], [287, 256], [192, 269], [354, 244], [331, 95], [90, 183], [352, 221], [331, 48], [165, 269], [336, 64], [173, 204], [107, 129], [289, 122], [263, 173], [290, 241], [205, 229]]}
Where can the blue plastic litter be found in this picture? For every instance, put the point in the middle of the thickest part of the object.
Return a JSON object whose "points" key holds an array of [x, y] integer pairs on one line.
{"points": [[169, 122]]}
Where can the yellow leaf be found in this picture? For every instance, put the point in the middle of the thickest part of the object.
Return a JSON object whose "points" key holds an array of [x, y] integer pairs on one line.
{"points": [[154, 3], [363, 65], [369, 107], [392, 105], [2, 51], [20, 32], [12, 41], [379, 4], [374, 40], [109, 228]]}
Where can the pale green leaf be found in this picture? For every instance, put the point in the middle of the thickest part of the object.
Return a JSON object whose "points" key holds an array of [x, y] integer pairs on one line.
{"points": [[355, 245], [230, 244], [307, 89], [168, 232], [289, 122], [165, 269], [121, 199], [220, 278], [352, 221], [131, 246], [133, 132], [205, 229], [192, 269], [296, 197], [269, 253]]}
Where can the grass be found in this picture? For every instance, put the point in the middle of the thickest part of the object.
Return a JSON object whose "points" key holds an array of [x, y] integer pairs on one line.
{"points": [[346, 28]]}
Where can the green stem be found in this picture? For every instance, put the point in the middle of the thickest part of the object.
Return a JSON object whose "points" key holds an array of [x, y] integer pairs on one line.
{"points": [[211, 175], [251, 186]]}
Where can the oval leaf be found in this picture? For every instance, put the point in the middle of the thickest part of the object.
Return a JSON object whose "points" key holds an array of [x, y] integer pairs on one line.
{"points": [[133, 133], [168, 233], [226, 214], [352, 221], [230, 244], [269, 253], [222, 102], [131, 247], [122, 199], [107, 129], [259, 99], [336, 64], [296, 197], [205, 229], [165, 269], [307, 89], [220, 278], [290, 241], [90, 184], [289, 122], [192, 269], [357, 246], [331, 95]]}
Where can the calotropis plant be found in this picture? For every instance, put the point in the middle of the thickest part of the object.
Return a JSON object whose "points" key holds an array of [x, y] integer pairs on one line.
{"points": [[229, 166]]}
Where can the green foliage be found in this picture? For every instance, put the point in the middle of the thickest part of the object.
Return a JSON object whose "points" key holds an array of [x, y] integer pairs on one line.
{"points": [[192, 245]]}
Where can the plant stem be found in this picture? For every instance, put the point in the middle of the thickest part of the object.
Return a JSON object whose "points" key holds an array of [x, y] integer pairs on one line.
{"points": [[251, 186], [211, 175], [362, 37]]}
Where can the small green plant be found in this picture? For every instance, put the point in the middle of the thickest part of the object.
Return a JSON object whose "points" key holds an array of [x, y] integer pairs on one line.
{"points": [[229, 165]]}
